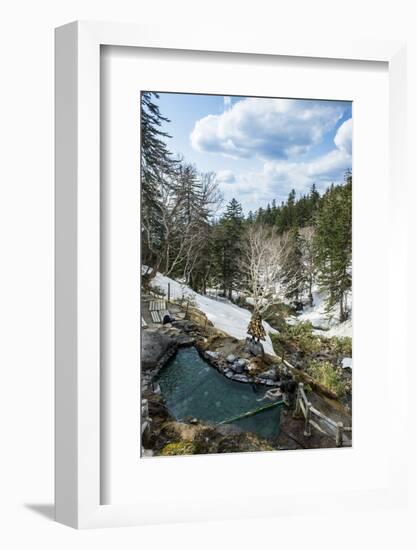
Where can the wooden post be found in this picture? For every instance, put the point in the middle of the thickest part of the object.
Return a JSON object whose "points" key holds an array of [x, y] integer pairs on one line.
{"points": [[297, 410], [339, 434], [307, 427], [169, 292]]}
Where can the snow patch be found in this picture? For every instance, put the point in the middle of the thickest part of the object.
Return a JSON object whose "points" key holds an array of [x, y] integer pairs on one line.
{"points": [[225, 316], [347, 362], [320, 319]]}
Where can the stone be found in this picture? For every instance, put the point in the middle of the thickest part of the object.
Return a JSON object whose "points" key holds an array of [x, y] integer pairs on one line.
{"points": [[269, 374], [255, 348], [212, 354], [231, 358], [238, 367], [155, 345], [147, 452], [241, 378]]}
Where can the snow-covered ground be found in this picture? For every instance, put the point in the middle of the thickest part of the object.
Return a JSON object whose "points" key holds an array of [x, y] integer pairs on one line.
{"points": [[234, 320], [224, 315], [319, 318]]}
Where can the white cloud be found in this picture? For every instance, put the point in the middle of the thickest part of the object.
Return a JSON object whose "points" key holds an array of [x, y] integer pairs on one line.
{"points": [[266, 128], [278, 177], [343, 137], [322, 170], [251, 189], [227, 101], [225, 176]]}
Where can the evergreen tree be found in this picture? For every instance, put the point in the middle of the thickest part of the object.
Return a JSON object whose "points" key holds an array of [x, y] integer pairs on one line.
{"points": [[292, 271], [333, 244], [157, 170], [156, 159], [314, 197], [228, 247]]}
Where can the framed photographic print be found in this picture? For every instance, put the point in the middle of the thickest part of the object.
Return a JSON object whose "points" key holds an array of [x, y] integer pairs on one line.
{"points": [[218, 275], [246, 273]]}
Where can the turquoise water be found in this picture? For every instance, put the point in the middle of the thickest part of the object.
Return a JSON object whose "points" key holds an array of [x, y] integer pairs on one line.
{"points": [[193, 389]]}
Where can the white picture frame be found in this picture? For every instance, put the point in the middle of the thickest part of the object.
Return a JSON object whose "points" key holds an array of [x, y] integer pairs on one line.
{"points": [[78, 405]]}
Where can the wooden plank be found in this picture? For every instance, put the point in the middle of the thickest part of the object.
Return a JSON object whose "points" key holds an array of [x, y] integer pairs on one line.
{"points": [[251, 413], [311, 381], [303, 395], [157, 305], [323, 417], [319, 428], [155, 317]]}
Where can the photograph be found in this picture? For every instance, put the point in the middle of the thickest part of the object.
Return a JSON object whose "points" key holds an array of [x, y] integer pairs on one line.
{"points": [[245, 273]]}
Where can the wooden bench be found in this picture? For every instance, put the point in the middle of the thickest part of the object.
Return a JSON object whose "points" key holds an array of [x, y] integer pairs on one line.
{"points": [[157, 305], [155, 317]]}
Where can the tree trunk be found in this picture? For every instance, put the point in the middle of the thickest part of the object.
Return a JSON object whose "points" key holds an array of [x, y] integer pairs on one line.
{"points": [[153, 272], [342, 310], [310, 293]]}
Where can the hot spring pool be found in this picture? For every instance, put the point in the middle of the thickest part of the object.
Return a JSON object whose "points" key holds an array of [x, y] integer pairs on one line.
{"points": [[193, 389]]}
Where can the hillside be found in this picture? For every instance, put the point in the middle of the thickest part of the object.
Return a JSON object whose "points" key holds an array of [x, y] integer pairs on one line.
{"points": [[225, 316]]}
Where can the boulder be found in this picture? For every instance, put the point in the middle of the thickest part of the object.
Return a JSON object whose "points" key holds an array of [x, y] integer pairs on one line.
{"points": [[155, 345], [255, 348], [238, 367], [269, 375], [255, 365], [241, 378], [231, 358]]}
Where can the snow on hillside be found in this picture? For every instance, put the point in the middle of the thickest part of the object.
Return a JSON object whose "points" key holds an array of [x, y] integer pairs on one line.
{"points": [[319, 318], [224, 315]]}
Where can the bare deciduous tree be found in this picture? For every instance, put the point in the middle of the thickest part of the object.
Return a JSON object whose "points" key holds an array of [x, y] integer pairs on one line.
{"points": [[179, 230], [263, 254]]}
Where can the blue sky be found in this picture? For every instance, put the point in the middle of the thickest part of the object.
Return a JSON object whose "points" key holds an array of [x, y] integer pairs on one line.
{"points": [[261, 148]]}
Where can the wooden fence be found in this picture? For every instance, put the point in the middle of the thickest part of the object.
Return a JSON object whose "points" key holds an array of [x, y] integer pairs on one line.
{"points": [[311, 415]]}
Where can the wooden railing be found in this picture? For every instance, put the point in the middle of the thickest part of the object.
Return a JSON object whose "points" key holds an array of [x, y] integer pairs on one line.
{"points": [[310, 413]]}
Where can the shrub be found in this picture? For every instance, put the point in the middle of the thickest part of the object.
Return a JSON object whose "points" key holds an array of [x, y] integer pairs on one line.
{"points": [[341, 345], [329, 376], [179, 448], [184, 300], [304, 328], [301, 336], [158, 290]]}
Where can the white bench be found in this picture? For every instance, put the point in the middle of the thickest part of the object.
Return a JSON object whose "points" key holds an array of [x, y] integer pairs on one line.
{"points": [[155, 317], [157, 305]]}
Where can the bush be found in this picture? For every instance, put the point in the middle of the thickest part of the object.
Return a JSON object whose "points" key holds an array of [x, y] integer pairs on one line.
{"points": [[304, 328], [158, 290], [301, 336], [178, 448], [329, 376], [184, 300], [341, 346]]}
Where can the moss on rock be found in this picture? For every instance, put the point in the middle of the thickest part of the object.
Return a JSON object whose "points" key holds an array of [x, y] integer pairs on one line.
{"points": [[178, 448]]}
